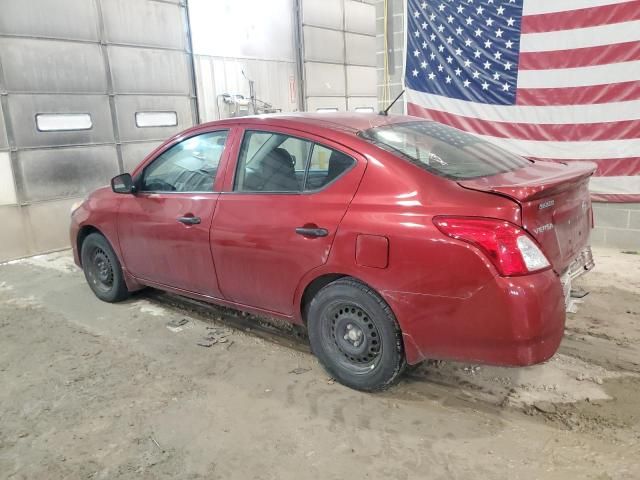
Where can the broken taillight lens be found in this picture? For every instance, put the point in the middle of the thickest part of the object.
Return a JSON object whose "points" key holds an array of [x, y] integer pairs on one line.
{"points": [[509, 247]]}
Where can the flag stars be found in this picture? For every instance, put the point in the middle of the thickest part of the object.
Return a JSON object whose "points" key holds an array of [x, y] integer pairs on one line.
{"points": [[500, 10], [459, 31], [424, 25], [416, 53], [468, 42], [469, 20], [499, 33], [416, 14], [508, 65], [458, 71], [496, 76], [432, 37], [449, 59], [458, 51], [510, 21], [508, 44], [477, 54], [448, 79], [460, 9], [466, 83], [450, 19], [440, 28], [476, 74], [467, 63], [432, 76], [449, 40], [487, 44], [441, 48], [497, 55], [415, 73], [478, 32], [489, 21], [485, 85], [479, 10], [440, 68], [423, 65], [416, 33], [441, 7], [432, 56], [432, 17], [505, 87], [423, 5], [425, 44], [487, 65]]}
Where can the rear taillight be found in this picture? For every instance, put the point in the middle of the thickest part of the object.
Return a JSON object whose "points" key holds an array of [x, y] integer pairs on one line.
{"points": [[509, 247]]}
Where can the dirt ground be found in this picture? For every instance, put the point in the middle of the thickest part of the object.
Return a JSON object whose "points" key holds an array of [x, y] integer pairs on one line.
{"points": [[92, 390]]}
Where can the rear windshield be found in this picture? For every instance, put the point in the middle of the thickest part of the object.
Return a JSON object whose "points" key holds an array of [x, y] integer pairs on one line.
{"points": [[444, 150]]}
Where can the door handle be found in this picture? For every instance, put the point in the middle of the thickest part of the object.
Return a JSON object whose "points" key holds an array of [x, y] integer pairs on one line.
{"points": [[189, 220], [312, 232]]}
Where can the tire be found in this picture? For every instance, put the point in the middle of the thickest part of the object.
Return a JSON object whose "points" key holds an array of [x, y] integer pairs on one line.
{"points": [[354, 334], [102, 269]]}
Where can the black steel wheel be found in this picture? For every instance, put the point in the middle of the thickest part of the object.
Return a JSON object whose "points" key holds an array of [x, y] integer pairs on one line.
{"points": [[102, 269], [354, 334]]}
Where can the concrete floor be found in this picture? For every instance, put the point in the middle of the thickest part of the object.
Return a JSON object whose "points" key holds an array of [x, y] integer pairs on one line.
{"points": [[92, 390]]}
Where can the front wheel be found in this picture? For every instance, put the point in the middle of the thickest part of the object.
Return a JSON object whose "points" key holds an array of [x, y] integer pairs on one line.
{"points": [[102, 269], [354, 334]]}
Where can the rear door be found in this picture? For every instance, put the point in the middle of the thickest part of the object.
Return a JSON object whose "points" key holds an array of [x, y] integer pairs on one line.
{"points": [[164, 228], [279, 216]]}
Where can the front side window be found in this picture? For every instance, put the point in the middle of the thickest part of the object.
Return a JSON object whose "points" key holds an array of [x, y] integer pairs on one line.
{"points": [[189, 166], [274, 162], [444, 150]]}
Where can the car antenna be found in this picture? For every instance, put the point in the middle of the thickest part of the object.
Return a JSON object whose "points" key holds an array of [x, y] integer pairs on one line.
{"points": [[385, 112]]}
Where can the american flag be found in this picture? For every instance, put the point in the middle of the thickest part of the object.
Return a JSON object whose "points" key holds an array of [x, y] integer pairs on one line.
{"points": [[548, 79]]}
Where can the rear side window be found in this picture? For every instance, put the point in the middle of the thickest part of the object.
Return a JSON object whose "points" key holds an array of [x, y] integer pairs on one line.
{"points": [[275, 162], [444, 150], [189, 166]]}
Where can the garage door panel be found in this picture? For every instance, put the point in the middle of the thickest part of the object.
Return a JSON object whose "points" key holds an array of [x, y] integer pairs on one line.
{"points": [[140, 22], [361, 49], [315, 103], [3, 131], [24, 108], [360, 17], [146, 70], [52, 66], [7, 187], [13, 236], [361, 81], [323, 13], [324, 79], [323, 45], [129, 105], [48, 18], [134, 153], [48, 225], [64, 172]]}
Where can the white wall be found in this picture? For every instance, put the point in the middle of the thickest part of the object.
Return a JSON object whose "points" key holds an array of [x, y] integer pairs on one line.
{"points": [[254, 36]]}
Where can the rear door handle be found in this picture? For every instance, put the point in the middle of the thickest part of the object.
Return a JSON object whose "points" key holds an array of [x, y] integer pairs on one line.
{"points": [[189, 220], [312, 232]]}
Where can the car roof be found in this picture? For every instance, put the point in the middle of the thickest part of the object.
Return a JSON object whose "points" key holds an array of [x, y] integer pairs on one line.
{"points": [[345, 122]]}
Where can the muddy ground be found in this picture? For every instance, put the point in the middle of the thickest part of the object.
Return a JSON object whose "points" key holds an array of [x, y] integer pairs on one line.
{"points": [[98, 391]]}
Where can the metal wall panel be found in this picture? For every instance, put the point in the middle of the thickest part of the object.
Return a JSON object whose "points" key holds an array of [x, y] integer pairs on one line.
{"points": [[360, 18], [145, 70], [70, 19], [23, 110], [323, 13], [134, 153], [52, 66], [361, 81], [7, 188], [314, 103], [128, 105], [141, 22], [13, 235], [324, 79], [323, 45], [361, 49], [64, 172]]}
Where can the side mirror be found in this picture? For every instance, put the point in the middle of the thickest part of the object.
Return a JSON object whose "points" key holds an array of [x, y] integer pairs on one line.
{"points": [[123, 184]]}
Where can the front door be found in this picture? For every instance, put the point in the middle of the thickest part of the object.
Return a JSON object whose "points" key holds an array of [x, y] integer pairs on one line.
{"points": [[280, 217], [164, 228]]}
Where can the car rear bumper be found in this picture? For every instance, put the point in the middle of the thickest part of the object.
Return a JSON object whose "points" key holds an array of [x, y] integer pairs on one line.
{"points": [[512, 321]]}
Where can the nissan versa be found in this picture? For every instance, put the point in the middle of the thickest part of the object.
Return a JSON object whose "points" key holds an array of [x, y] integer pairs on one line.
{"points": [[393, 239]]}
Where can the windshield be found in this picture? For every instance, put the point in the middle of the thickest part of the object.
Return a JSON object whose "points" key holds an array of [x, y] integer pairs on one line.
{"points": [[444, 150]]}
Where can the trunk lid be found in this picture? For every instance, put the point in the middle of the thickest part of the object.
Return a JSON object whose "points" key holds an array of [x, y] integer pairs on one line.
{"points": [[554, 201]]}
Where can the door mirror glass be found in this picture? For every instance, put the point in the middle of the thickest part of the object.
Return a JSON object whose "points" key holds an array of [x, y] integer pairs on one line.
{"points": [[122, 184]]}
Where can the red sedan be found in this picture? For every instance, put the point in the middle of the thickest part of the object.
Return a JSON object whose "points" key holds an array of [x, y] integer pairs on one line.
{"points": [[393, 239]]}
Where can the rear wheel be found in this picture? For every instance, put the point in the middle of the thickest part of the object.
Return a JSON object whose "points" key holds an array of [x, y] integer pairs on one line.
{"points": [[354, 334], [102, 269]]}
